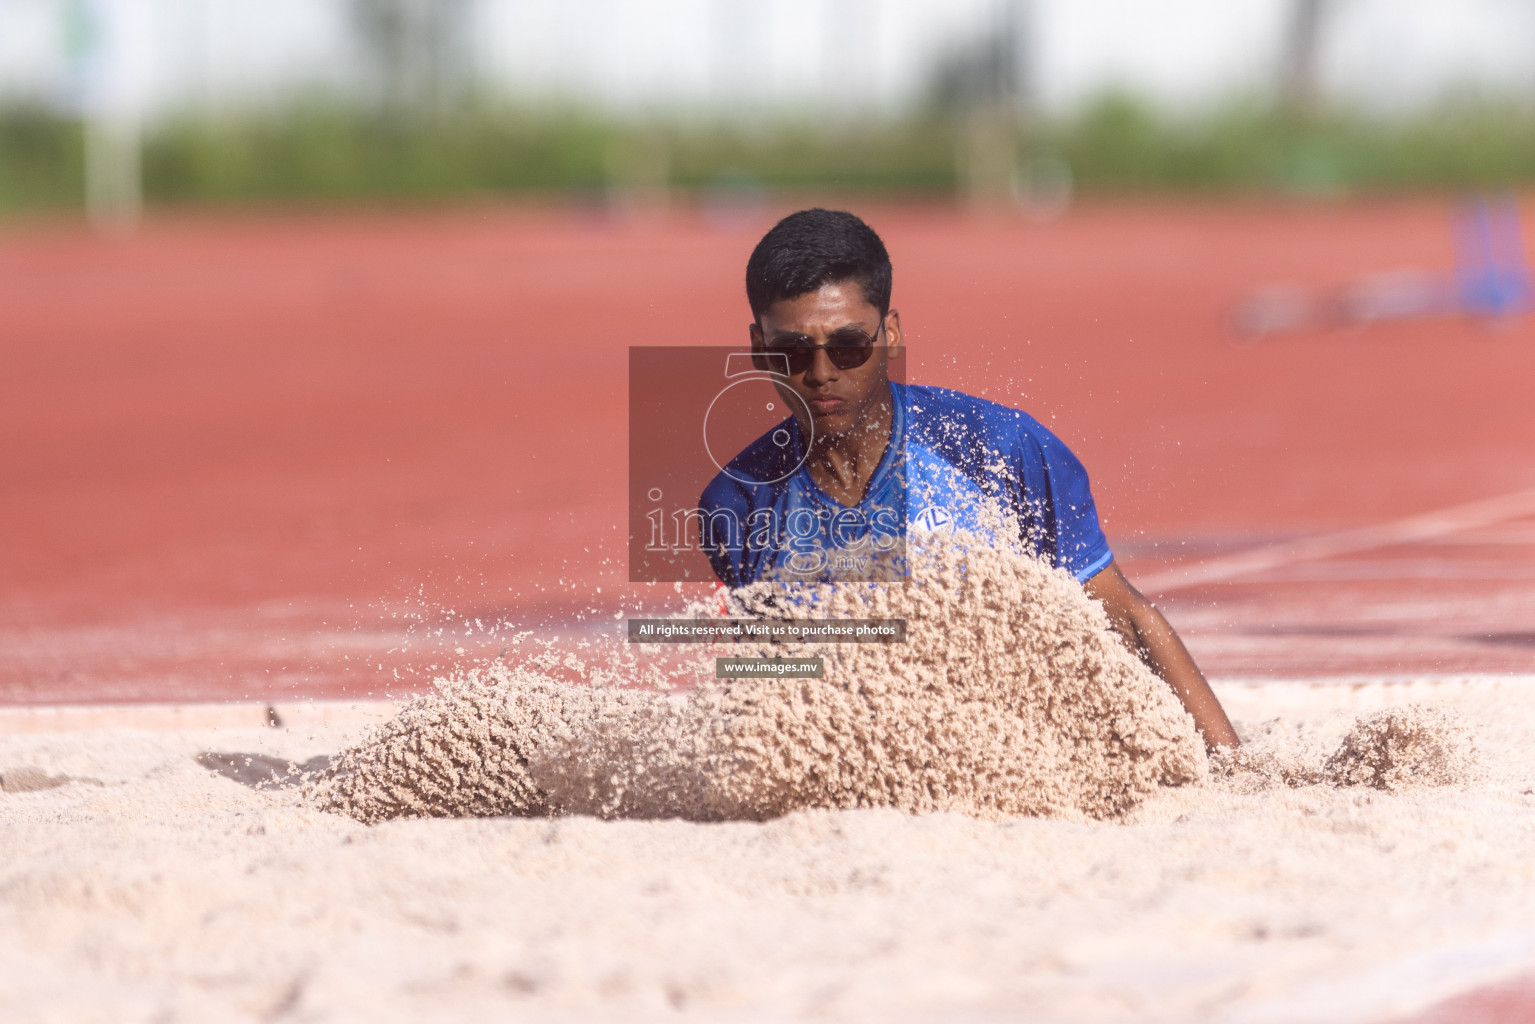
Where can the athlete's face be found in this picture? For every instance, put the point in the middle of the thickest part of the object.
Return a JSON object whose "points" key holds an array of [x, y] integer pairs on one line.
{"points": [[839, 399]]}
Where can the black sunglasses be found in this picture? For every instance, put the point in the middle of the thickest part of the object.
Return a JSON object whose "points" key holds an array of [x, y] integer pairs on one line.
{"points": [[847, 349]]}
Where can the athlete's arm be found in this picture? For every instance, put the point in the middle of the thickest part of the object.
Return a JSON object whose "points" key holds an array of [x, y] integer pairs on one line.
{"points": [[1153, 640]]}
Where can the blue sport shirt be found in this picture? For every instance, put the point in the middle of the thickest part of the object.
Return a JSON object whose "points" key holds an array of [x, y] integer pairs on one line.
{"points": [[949, 454]]}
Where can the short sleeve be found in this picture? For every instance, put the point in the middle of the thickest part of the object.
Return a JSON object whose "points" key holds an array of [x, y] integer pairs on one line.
{"points": [[1069, 517], [724, 495]]}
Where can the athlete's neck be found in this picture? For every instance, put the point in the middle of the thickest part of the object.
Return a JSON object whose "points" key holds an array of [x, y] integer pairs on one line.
{"points": [[842, 464]]}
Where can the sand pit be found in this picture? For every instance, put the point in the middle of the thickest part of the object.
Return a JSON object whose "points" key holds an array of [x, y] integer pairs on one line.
{"points": [[1007, 816], [148, 888]]}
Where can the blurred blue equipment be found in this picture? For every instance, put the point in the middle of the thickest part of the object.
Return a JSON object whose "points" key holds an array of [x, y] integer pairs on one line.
{"points": [[1491, 282], [1490, 270]]}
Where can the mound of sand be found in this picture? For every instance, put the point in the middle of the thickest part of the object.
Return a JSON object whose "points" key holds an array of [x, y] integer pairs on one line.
{"points": [[1399, 748], [1011, 697], [1394, 749]]}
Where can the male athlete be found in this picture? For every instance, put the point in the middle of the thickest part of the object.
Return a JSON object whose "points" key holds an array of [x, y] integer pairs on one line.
{"points": [[819, 288]]}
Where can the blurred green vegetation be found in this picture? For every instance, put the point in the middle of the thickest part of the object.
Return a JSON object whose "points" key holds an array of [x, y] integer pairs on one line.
{"points": [[315, 152], [1121, 145], [329, 154], [42, 160]]}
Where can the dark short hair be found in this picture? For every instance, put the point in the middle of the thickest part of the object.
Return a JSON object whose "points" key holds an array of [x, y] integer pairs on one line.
{"points": [[812, 248]]}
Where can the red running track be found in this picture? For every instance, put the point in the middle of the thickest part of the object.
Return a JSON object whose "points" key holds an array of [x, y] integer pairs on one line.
{"points": [[251, 456]]}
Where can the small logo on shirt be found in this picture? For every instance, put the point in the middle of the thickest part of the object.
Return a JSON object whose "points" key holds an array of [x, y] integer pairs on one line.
{"points": [[933, 518]]}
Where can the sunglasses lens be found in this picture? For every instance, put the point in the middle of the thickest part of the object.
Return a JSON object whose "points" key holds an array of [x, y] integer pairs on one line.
{"points": [[849, 349], [800, 358]]}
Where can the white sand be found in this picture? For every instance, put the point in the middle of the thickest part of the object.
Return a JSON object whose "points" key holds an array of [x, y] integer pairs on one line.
{"points": [[1011, 696], [165, 894]]}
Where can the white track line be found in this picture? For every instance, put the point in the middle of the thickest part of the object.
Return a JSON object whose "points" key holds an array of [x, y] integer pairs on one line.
{"points": [[1424, 526], [201, 715]]}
